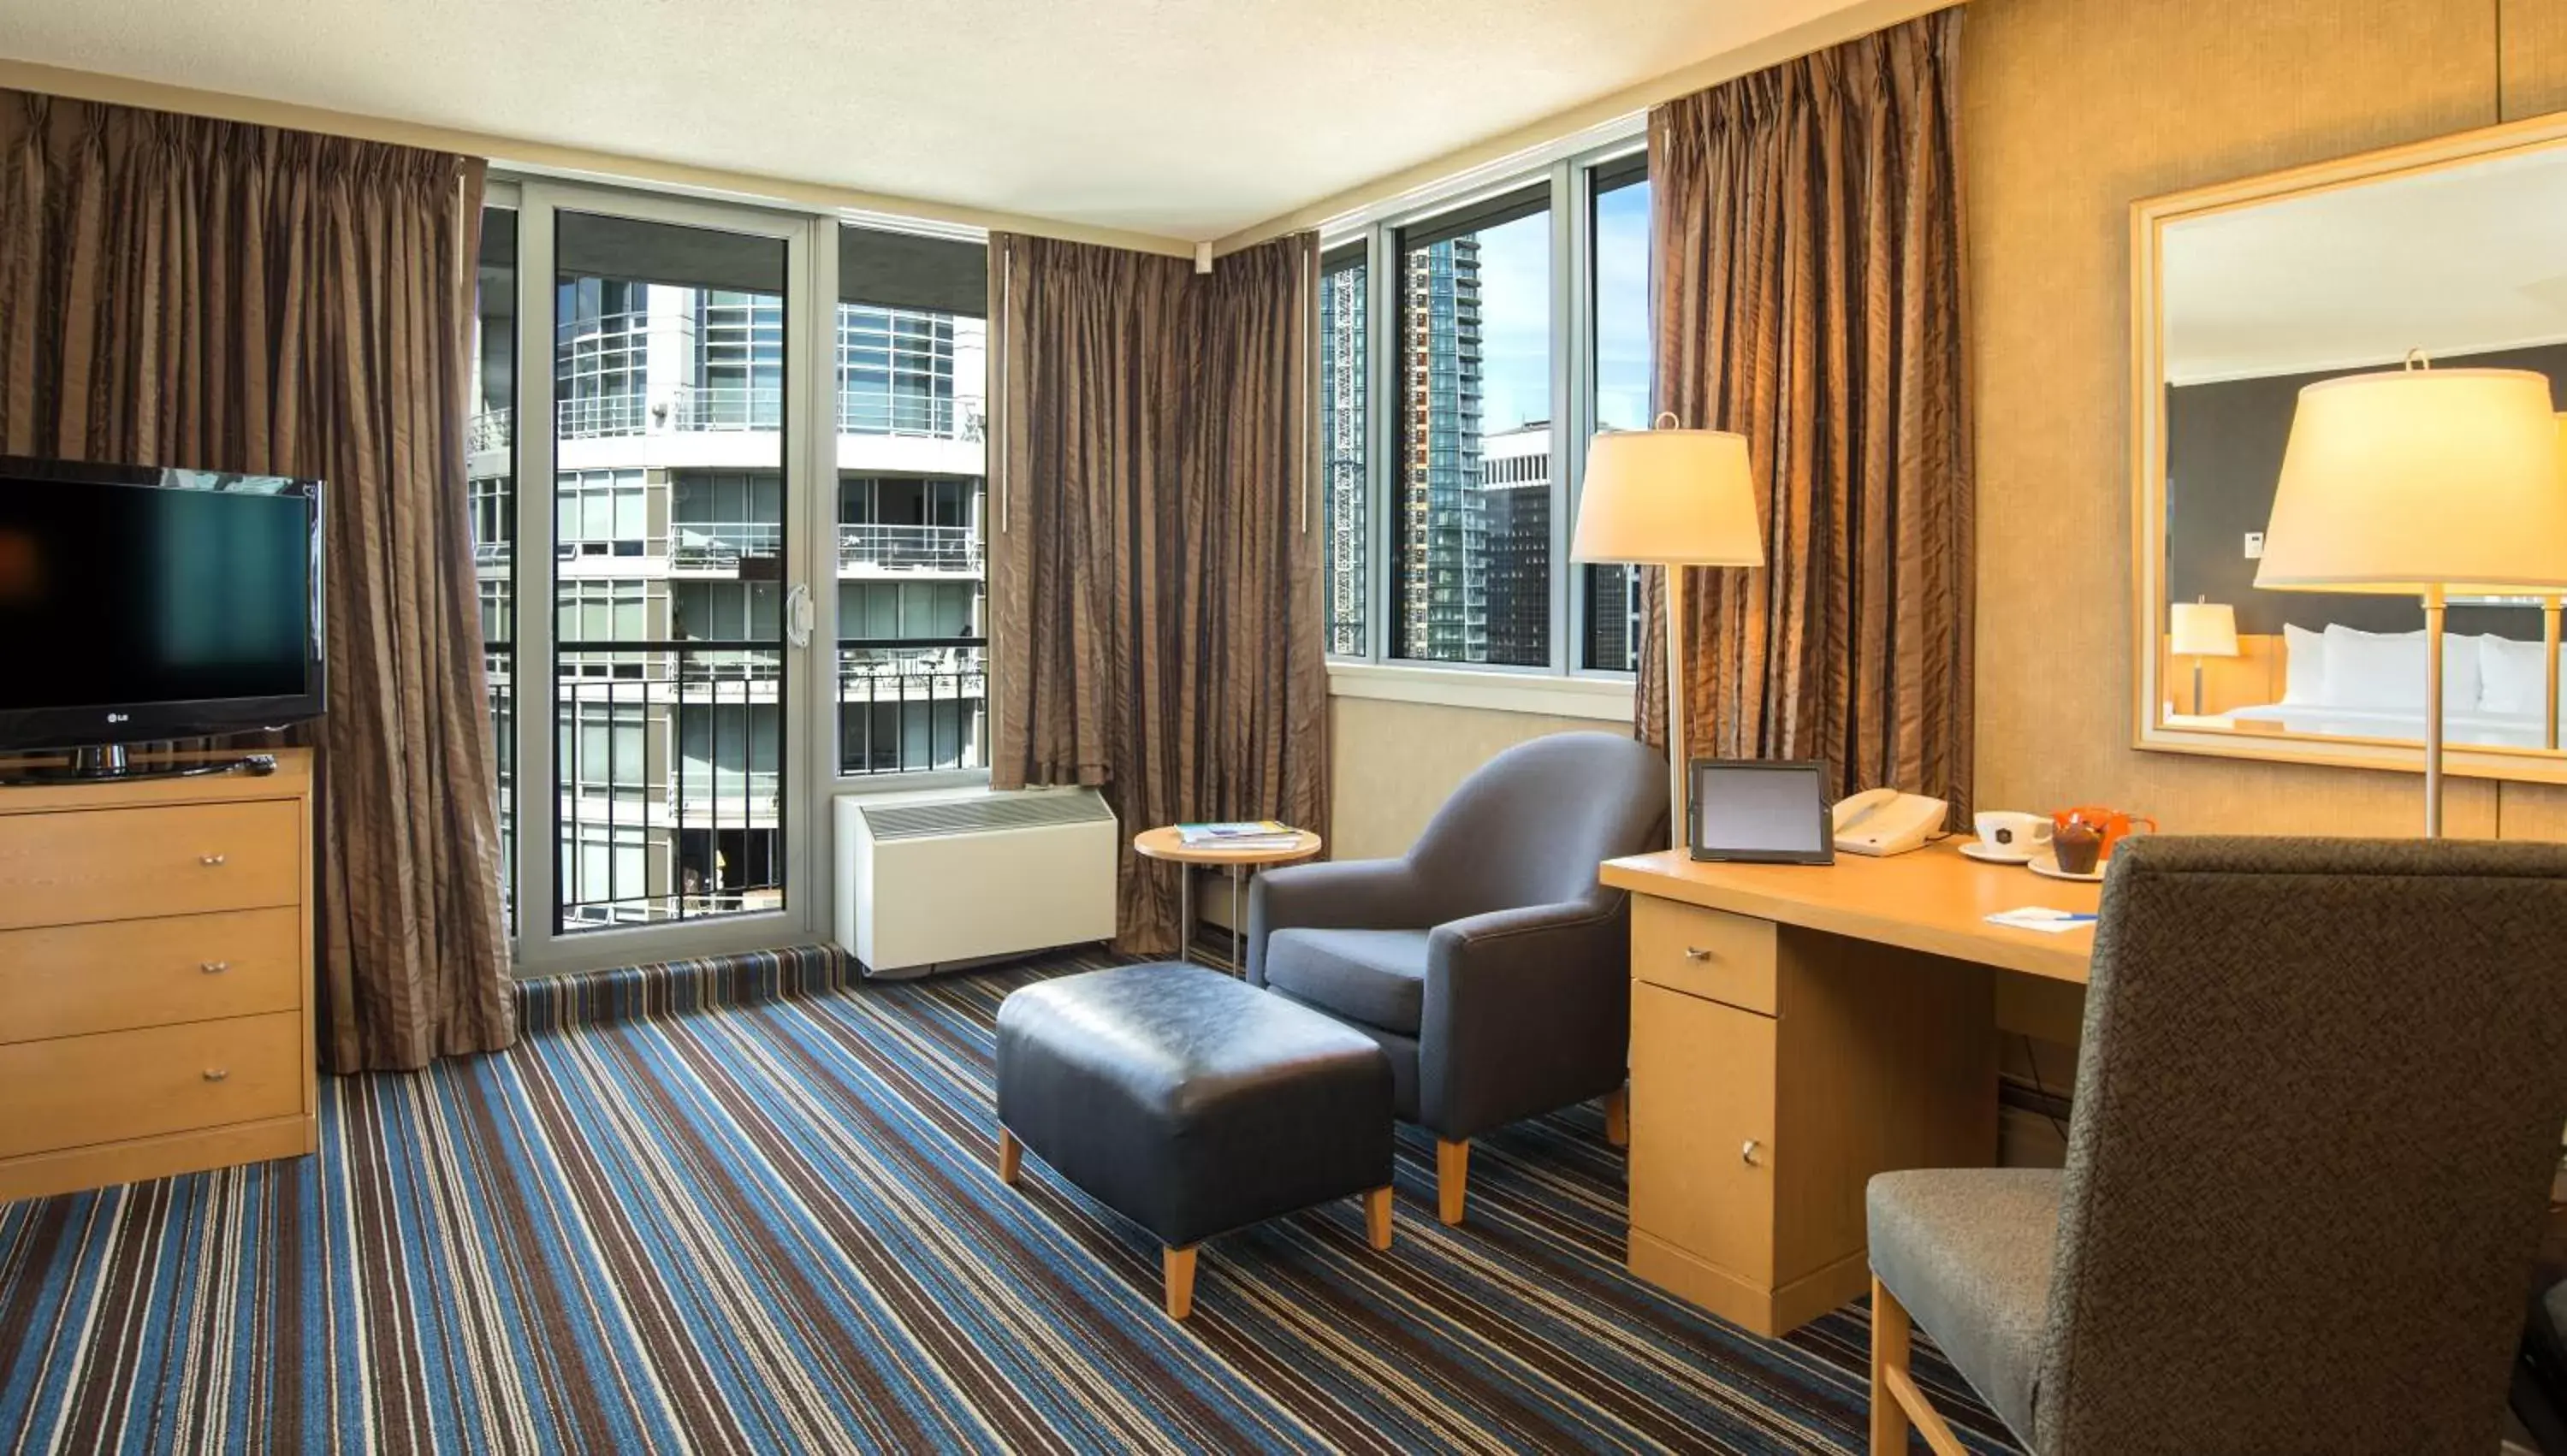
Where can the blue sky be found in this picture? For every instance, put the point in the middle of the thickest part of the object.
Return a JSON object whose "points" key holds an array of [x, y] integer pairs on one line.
{"points": [[1515, 312]]}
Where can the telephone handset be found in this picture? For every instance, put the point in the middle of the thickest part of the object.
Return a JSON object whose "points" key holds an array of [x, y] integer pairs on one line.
{"points": [[1881, 821]]}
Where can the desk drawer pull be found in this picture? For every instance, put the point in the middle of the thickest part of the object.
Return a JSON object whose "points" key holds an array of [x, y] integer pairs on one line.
{"points": [[217, 1073], [1749, 1152], [211, 861], [1696, 953], [215, 968]]}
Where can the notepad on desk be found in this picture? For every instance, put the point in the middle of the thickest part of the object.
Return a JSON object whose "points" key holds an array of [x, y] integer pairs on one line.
{"points": [[2044, 919]]}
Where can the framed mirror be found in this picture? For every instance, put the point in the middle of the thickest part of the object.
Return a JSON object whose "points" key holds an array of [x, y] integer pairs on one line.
{"points": [[2451, 252]]}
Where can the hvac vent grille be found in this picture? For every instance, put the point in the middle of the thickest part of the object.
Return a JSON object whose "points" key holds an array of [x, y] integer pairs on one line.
{"points": [[983, 815]]}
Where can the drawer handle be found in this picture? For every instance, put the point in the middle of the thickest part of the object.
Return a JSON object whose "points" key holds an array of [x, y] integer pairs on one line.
{"points": [[215, 968], [1696, 953], [211, 861], [217, 1073], [1751, 1152]]}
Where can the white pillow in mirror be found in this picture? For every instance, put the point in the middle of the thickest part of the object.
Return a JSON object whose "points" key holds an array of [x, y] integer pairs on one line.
{"points": [[2303, 666], [2513, 676], [2387, 670]]}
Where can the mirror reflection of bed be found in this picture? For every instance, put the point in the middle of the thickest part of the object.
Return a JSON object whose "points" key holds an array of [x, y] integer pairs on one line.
{"points": [[2466, 262]]}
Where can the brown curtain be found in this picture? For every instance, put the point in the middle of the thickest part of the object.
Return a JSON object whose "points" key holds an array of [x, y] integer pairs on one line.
{"points": [[178, 291], [1809, 294], [1154, 579]]}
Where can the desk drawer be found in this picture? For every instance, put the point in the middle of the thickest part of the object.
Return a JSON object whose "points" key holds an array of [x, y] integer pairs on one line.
{"points": [[73, 1092], [75, 867], [71, 980], [1728, 958], [1702, 1091]]}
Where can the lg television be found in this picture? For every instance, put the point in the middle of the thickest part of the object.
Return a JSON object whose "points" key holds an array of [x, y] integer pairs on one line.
{"points": [[140, 604]]}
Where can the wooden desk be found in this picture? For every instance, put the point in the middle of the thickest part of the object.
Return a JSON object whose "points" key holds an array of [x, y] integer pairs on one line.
{"points": [[1796, 1029]]}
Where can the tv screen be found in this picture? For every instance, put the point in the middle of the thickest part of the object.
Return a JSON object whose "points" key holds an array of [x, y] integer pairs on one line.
{"points": [[149, 603]]}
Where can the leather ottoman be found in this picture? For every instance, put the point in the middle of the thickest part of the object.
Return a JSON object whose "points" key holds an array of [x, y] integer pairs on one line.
{"points": [[1192, 1103]]}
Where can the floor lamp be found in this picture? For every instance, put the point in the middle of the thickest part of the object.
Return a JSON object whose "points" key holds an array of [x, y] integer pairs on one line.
{"points": [[1674, 498], [2421, 482]]}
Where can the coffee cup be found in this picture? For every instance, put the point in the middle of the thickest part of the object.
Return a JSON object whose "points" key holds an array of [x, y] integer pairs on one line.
{"points": [[2012, 836], [2078, 845]]}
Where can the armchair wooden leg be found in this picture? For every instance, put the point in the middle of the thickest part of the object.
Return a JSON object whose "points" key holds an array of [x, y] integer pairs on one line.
{"points": [[1378, 1216], [1178, 1266], [1010, 1157], [1895, 1396], [1452, 1177], [1617, 1116]]}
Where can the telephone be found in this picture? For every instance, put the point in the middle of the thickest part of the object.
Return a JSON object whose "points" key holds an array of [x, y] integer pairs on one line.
{"points": [[1881, 821]]}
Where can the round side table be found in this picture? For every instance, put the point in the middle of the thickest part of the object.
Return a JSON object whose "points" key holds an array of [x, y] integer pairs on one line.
{"points": [[1165, 843]]}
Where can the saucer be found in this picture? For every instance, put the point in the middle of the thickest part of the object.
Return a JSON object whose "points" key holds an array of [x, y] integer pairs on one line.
{"points": [[2048, 868], [1984, 855]]}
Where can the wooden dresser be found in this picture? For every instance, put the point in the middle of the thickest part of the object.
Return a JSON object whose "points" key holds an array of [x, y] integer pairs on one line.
{"points": [[156, 977], [1796, 1029]]}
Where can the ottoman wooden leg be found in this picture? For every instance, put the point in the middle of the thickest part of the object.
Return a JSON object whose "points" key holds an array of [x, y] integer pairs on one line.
{"points": [[1179, 1266], [1452, 1177], [1618, 1117], [1011, 1156], [1378, 1216]]}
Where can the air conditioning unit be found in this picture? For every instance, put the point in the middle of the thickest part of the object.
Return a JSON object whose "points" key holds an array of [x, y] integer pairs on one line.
{"points": [[931, 878]]}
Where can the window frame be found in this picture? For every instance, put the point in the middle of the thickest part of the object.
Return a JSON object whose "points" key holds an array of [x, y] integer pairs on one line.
{"points": [[1561, 683]]}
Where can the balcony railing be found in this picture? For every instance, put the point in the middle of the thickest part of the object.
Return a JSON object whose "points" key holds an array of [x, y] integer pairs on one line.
{"points": [[910, 706], [910, 548], [599, 416], [492, 430], [659, 841], [716, 407], [719, 545]]}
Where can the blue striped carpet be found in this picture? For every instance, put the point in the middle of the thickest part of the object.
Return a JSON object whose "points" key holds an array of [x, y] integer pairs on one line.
{"points": [[746, 1226]]}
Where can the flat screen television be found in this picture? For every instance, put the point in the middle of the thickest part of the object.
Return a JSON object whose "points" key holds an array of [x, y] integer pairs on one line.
{"points": [[143, 603]]}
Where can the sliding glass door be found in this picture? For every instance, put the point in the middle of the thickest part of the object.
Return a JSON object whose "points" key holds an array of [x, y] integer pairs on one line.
{"points": [[661, 673]]}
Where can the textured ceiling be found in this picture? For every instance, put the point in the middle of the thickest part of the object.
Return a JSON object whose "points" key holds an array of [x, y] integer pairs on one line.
{"points": [[1188, 119]]}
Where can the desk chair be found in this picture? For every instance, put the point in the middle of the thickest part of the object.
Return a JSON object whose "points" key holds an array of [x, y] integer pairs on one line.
{"points": [[2315, 1124], [1487, 961]]}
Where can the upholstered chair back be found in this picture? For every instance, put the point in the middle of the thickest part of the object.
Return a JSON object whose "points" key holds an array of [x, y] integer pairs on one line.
{"points": [[1530, 827], [2316, 1120]]}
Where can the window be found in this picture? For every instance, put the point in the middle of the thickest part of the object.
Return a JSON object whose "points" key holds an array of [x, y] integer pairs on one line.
{"points": [[601, 513], [740, 361], [1470, 566], [490, 490], [1346, 281], [1618, 309], [913, 350], [1508, 328]]}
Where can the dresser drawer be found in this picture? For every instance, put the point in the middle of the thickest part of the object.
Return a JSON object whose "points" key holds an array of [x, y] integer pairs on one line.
{"points": [[69, 979], [121, 864], [1728, 958], [73, 1092], [1702, 1129]]}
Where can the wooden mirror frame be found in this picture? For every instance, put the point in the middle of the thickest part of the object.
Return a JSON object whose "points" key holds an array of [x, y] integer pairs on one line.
{"points": [[2149, 218]]}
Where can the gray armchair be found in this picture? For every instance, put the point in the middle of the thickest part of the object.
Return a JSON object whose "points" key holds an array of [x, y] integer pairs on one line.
{"points": [[2315, 1124], [1487, 962]]}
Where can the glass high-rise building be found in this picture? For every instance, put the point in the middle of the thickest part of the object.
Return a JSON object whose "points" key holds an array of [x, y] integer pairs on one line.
{"points": [[1438, 596]]}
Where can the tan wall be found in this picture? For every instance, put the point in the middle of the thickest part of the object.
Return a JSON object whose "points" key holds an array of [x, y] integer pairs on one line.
{"points": [[2073, 109], [1395, 763]]}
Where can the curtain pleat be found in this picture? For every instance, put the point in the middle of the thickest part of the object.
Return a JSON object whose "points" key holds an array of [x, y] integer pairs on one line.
{"points": [[1809, 294], [177, 291], [1154, 577]]}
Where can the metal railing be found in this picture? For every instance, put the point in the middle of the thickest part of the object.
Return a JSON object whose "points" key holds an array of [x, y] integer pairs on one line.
{"points": [[910, 706], [718, 408], [910, 548], [884, 411], [674, 824], [492, 430], [599, 416], [492, 555], [719, 545]]}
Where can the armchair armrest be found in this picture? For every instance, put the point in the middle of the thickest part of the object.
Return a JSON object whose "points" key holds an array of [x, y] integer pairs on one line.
{"points": [[1527, 1009], [1354, 894]]}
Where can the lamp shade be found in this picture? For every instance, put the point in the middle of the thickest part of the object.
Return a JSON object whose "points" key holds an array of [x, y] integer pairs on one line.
{"points": [[2419, 479], [1668, 497], [2205, 629]]}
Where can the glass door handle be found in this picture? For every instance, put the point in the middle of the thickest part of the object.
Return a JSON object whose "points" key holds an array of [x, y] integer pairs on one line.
{"points": [[800, 616]]}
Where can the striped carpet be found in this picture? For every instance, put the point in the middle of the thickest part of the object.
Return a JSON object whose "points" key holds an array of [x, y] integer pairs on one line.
{"points": [[773, 1226]]}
